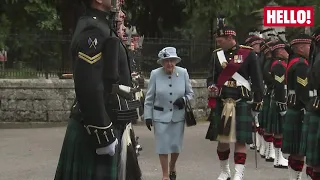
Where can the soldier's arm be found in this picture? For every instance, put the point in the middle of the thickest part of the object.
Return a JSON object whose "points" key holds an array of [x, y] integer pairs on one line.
{"points": [[280, 92], [91, 92], [301, 83], [212, 70], [255, 73]]}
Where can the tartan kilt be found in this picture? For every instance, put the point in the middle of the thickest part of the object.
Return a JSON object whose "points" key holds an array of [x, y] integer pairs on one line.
{"points": [[292, 129], [263, 116], [244, 121], [305, 133], [274, 123], [313, 140], [78, 159]]}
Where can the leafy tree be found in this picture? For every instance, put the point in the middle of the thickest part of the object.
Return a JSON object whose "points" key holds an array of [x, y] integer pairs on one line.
{"points": [[28, 29]]}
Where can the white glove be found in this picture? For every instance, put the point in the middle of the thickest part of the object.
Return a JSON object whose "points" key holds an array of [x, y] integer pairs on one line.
{"points": [[254, 113], [283, 113], [111, 149]]}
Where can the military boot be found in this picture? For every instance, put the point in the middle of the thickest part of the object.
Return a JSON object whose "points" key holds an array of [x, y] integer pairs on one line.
{"points": [[280, 161], [294, 175], [270, 155], [239, 174], [225, 170]]}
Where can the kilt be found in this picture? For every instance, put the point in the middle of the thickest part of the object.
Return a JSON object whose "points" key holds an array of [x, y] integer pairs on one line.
{"points": [[274, 124], [292, 129], [78, 159], [313, 140], [305, 133], [263, 116], [244, 121]]}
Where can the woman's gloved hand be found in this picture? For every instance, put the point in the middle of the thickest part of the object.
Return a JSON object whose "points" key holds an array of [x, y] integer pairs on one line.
{"points": [[180, 103], [149, 123]]}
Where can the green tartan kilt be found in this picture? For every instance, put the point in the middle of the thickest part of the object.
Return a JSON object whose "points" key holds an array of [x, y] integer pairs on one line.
{"points": [[292, 129], [263, 116], [243, 118], [312, 147], [274, 123], [305, 133], [78, 159]]}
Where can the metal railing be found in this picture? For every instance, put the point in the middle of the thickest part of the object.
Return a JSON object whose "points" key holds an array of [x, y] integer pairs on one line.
{"points": [[47, 55]]}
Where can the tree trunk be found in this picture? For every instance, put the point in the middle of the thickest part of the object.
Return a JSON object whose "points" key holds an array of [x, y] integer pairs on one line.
{"points": [[69, 12]]}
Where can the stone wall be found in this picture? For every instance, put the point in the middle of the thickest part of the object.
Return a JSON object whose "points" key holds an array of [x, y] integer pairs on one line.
{"points": [[49, 100]]}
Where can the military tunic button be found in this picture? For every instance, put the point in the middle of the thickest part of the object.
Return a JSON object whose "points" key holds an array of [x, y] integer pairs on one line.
{"points": [[170, 109], [170, 93], [170, 85], [169, 77], [170, 101]]}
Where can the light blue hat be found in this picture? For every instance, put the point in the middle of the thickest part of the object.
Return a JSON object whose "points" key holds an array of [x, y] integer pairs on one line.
{"points": [[168, 53]]}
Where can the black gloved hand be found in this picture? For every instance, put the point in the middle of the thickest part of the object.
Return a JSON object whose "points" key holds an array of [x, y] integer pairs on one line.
{"points": [[180, 103], [149, 123]]}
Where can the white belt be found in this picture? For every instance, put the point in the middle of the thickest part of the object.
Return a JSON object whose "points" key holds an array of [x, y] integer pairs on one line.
{"points": [[311, 93], [237, 84]]}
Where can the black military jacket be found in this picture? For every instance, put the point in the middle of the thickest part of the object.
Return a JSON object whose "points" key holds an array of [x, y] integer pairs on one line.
{"points": [[250, 70], [297, 82], [267, 78], [100, 61], [278, 73]]}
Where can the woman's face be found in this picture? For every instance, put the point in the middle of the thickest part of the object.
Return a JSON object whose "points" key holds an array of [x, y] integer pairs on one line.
{"points": [[169, 64]]}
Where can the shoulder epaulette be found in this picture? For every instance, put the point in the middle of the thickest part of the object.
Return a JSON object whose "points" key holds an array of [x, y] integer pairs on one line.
{"points": [[217, 49], [246, 47]]}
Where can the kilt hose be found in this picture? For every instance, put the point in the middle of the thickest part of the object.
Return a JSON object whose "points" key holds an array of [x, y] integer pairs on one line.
{"points": [[274, 124], [263, 120], [292, 129], [243, 120], [312, 148], [78, 159]]}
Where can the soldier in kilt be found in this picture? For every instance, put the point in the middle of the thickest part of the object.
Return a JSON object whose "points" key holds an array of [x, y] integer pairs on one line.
{"points": [[263, 116], [278, 106], [298, 97], [100, 125], [230, 74], [310, 132], [255, 42]]}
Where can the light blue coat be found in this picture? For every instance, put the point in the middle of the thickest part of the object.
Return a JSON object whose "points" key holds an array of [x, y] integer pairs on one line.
{"points": [[163, 90]]}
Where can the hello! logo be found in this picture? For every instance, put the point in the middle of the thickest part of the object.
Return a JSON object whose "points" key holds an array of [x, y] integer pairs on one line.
{"points": [[288, 16]]}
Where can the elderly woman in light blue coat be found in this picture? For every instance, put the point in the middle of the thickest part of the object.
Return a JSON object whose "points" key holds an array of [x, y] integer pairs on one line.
{"points": [[164, 108]]}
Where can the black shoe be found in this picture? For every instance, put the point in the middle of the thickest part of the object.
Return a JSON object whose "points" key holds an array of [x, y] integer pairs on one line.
{"points": [[173, 175]]}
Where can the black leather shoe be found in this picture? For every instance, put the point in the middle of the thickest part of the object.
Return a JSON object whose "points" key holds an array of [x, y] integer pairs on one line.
{"points": [[173, 175]]}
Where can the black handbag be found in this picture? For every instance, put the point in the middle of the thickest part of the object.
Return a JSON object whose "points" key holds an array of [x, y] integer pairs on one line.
{"points": [[189, 116]]}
